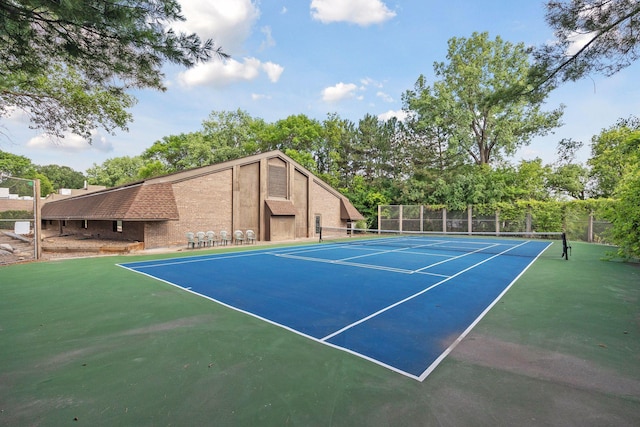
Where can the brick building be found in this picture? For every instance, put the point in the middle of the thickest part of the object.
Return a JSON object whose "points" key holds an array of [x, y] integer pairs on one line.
{"points": [[268, 193]]}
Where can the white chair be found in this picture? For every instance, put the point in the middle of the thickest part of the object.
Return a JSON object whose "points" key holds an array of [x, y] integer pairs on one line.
{"points": [[191, 241], [211, 238], [251, 236], [201, 238], [238, 236], [224, 237]]}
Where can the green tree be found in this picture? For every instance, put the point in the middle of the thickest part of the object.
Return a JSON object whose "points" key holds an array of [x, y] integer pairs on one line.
{"points": [[225, 135], [62, 176], [366, 198], [116, 171], [569, 180], [331, 153], [68, 63], [608, 39], [625, 215], [296, 132], [428, 131], [15, 165], [531, 180], [172, 152], [232, 134], [609, 158], [474, 99]]}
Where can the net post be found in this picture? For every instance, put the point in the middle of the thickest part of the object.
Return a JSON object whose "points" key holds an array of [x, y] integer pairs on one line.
{"points": [[565, 247], [469, 219]]}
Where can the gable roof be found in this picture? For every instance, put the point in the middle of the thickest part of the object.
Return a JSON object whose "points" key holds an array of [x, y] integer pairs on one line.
{"points": [[153, 200], [134, 202]]}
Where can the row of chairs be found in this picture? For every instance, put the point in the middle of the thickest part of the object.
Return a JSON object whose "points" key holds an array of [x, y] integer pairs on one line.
{"points": [[210, 238]]}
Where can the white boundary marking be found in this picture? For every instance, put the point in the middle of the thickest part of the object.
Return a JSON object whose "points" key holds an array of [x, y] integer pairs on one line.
{"points": [[324, 341], [410, 297], [449, 349]]}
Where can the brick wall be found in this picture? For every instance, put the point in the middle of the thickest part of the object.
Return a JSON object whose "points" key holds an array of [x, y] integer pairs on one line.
{"points": [[204, 203], [327, 205]]}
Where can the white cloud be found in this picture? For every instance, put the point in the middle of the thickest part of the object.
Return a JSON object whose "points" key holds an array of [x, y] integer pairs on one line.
{"points": [[274, 71], [401, 115], [368, 81], [228, 23], [13, 115], [259, 96], [223, 73], [268, 38], [361, 12], [339, 92], [384, 96], [71, 143], [578, 41]]}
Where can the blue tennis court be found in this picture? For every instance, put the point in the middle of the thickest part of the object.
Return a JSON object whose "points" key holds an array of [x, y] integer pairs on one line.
{"points": [[400, 305]]}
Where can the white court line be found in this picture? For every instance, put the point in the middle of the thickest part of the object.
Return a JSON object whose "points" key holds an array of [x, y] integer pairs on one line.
{"points": [[323, 340], [377, 313], [213, 257], [202, 258], [397, 270], [449, 349], [457, 257], [355, 264]]}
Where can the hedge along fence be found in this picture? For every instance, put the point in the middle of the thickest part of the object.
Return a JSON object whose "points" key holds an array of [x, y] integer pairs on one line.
{"points": [[581, 219]]}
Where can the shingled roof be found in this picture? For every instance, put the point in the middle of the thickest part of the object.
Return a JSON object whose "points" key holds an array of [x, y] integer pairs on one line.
{"points": [[134, 202], [348, 211]]}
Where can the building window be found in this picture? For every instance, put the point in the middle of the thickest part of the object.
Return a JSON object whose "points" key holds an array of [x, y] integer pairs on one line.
{"points": [[64, 222], [117, 226]]}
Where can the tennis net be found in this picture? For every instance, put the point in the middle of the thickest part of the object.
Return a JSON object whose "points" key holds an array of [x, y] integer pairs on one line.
{"points": [[518, 244]]}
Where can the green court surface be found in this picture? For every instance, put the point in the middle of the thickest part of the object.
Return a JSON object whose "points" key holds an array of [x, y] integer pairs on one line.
{"points": [[85, 342]]}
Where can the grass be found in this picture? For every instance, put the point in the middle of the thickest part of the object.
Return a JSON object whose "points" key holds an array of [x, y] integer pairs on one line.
{"points": [[86, 340]]}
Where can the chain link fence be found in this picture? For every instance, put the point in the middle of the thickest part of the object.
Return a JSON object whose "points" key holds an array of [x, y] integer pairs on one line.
{"points": [[582, 226]]}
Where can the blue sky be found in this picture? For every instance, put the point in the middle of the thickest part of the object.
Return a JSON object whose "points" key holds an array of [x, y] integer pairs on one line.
{"points": [[317, 57]]}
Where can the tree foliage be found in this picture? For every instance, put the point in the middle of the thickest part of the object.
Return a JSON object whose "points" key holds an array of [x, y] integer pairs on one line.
{"points": [[68, 64], [477, 112], [116, 171], [610, 158], [625, 214], [592, 36], [62, 176]]}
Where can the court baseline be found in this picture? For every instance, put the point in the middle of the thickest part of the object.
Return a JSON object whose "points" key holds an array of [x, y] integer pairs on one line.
{"points": [[404, 323]]}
